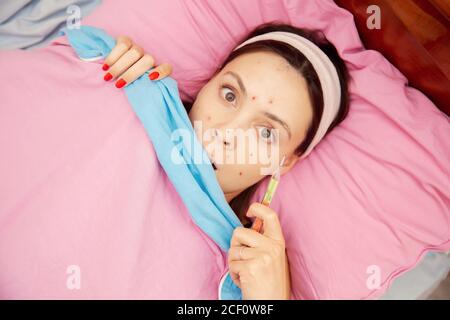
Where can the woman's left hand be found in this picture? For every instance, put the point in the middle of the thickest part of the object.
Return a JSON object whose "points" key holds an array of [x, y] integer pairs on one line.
{"points": [[127, 62], [257, 261]]}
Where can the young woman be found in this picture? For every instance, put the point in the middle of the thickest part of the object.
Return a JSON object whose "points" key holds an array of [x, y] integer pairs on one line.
{"points": [[287, 84]]}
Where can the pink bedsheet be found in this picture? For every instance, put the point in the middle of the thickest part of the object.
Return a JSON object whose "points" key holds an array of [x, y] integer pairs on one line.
{"points": [[84, 199]]}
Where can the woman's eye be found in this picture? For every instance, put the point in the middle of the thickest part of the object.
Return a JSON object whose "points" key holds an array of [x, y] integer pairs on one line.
{"points": [[228, 94], [267, 134]]}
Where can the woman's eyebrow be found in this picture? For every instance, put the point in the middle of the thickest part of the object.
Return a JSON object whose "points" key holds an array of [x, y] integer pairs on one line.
{"points": [[239, 81], [275, 118]]}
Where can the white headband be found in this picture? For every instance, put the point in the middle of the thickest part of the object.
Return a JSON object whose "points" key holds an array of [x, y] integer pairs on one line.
{"points": [[324, 68]]}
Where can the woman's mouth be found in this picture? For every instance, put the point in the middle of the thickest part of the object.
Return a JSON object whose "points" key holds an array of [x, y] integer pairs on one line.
{"points": [[212, 163]]}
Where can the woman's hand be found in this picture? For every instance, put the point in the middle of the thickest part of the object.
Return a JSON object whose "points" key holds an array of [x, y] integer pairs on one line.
{"points": [[127, 61], [257, 261]]}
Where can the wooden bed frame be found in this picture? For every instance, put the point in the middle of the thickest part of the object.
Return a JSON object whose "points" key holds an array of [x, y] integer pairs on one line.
{"points": [[414, 35]]}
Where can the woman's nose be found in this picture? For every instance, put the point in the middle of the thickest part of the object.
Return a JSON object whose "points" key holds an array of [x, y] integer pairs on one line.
{"points": [[224, 136], [229, 129]]}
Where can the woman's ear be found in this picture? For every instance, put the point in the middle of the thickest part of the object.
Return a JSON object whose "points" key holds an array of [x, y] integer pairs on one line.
{"points": [[289, 163]]}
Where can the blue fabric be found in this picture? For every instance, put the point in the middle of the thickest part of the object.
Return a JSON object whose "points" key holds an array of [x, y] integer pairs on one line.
{"points": [[159, 108]]}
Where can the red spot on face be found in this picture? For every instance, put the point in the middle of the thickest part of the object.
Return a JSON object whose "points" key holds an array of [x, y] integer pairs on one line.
{"points": [[240, 173], [209, 118], [270, 101], [253, 98]]}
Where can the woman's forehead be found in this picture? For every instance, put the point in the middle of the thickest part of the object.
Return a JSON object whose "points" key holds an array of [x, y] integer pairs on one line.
{"points": [[268, 75], [268, 80]]}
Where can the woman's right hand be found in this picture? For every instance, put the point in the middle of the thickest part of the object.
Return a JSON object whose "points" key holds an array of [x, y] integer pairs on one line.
{"points": [[128, 61]]}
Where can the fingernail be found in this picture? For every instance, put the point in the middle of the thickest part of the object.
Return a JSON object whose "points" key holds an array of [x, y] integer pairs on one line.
{"points": [[105, 67], [153, 75], [107, 76], [120, 83]]}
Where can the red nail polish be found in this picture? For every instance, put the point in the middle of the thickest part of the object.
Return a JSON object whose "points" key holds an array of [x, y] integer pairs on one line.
{"points": [[120, 83], [107, 76], [105, 67], [153, 75]]}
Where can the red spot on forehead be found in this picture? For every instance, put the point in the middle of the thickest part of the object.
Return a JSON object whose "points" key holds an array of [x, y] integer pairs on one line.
{"points": [[254, 97], [271, 100]]}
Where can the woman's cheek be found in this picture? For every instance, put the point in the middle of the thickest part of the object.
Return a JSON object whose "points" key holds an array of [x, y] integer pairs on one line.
{"points": [[237, 174], [247, 175]]}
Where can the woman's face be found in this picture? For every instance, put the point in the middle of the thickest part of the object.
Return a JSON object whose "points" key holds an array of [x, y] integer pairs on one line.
{"points": [[248, 116]]}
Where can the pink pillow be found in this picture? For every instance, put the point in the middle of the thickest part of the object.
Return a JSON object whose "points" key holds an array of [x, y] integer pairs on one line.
{"points": [[372, 198]]}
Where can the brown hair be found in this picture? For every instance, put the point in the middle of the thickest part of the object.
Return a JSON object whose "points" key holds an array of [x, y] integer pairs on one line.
{"points": [[297, 60]]}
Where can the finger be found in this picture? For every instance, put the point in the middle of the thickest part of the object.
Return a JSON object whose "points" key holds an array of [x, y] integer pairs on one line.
{"points": [[137, 69], [236, 268], [126, 61], [271, 223], [123, 44], [160, 72], [247, 237], [242, 269], [235, 279], [242, 253]]}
